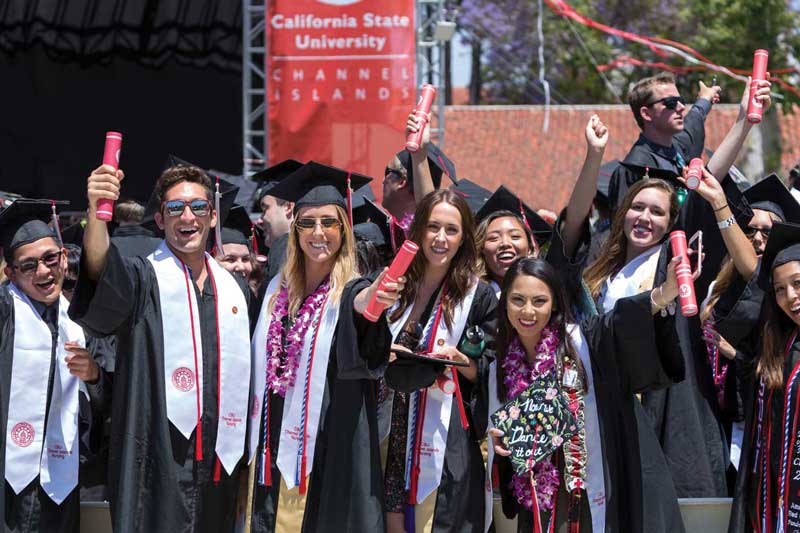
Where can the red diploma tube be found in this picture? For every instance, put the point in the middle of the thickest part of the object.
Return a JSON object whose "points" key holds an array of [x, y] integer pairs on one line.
{"points": [[421, 112], [686, 295], [398, 267], [754, 108], [105, 207], [695, 174]]}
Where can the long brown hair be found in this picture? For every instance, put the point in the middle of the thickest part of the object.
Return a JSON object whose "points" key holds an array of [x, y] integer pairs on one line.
{"points": [[778, 328], [613, 259], [461, 268], [293, 275], [559, 318], [727, 275]]}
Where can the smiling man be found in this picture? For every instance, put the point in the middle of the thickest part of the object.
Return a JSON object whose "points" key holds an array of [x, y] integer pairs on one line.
{"points": [[43, 362], [180, 413]]}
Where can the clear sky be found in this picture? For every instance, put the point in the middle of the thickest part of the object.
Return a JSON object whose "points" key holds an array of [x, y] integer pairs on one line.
{"points": [[461, 62]]}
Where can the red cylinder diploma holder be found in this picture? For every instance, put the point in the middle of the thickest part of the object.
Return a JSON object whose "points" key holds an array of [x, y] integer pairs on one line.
{"points": [[695, 173], [755, 108], [422, 111], [105, 207], [398, 267], [686, 294]]}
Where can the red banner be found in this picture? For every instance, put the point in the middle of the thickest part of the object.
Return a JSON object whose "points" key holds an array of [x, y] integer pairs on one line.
{"points": [[340, 81]]}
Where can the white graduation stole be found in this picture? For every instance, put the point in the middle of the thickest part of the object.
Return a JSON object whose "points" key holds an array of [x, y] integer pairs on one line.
{"points": [[302, 406], [634, 278], [595, 476], [258, 380], [183, 352], [52, 454], [436, 413]]}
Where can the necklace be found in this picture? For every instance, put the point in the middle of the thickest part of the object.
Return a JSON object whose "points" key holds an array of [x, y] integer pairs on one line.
{"points": [[281, 374]]}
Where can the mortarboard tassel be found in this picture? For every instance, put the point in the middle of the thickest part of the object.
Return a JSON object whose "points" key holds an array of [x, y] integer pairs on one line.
{"points": [[253, 238], [56, 225], [349, 201], [218, 227]]}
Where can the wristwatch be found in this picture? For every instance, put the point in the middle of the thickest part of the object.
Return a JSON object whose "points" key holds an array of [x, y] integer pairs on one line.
{"points": [[727, 223]]}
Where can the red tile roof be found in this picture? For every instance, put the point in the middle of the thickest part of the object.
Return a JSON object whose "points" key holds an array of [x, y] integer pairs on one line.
{"points": [[494, 145]]}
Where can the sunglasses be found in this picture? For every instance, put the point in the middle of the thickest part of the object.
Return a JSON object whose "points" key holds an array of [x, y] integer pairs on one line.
{"points": [[29, 266], [305, 225], [175, 208], [751, 232], [670, 102]]}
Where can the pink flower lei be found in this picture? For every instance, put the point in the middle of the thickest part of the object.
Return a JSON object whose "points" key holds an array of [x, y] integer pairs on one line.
{"points": [[519, 374], [281, 375]]}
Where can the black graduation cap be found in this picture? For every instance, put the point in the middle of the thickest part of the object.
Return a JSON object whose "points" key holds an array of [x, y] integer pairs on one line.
{"points": [[770, 194], [475, 195], [653, 172], [360, 197], [269, 177], [26, 221], [316, 184], [371, 214], [237, 227], [437, 162], [504, 199], [73, 234], [783, 246]]}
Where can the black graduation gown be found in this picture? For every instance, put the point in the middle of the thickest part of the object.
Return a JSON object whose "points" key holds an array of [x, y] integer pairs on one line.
{"points": [[686, 415], [32, 509], [659, 498], [629, 354], [689, 143], [460, 498], [345, 492], [154, 482], [738, 320], [276, 258], [135, 241]]}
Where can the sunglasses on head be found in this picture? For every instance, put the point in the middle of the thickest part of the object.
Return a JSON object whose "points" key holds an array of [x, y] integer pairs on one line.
{"points": [[670, 102], [308, 224], [29, 266], [175, 208]]}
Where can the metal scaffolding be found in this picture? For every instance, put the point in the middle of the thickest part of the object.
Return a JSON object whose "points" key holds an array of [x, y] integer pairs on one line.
{"points": [[254, 84], [430, 68], [430, 59]]}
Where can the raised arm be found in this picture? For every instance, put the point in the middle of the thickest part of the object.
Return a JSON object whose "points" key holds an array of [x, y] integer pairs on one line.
{"points": [[731, 145], [423, 183], [103, 183], [738, 245], [580, 203]]}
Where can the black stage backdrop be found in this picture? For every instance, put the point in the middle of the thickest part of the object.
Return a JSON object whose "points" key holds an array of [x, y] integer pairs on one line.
{"points": [[165, 76]]}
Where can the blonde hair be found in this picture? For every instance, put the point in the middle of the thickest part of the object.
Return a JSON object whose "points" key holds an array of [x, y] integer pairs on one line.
{"points": [[293, 274]]}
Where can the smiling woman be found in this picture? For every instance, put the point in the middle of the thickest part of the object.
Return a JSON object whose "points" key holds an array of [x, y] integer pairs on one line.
{"points": [[443, 299], [316, 362]]}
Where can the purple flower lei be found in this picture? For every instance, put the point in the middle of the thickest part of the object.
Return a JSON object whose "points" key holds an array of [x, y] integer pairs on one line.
{"points": [[519, 374], [281, 376]]}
